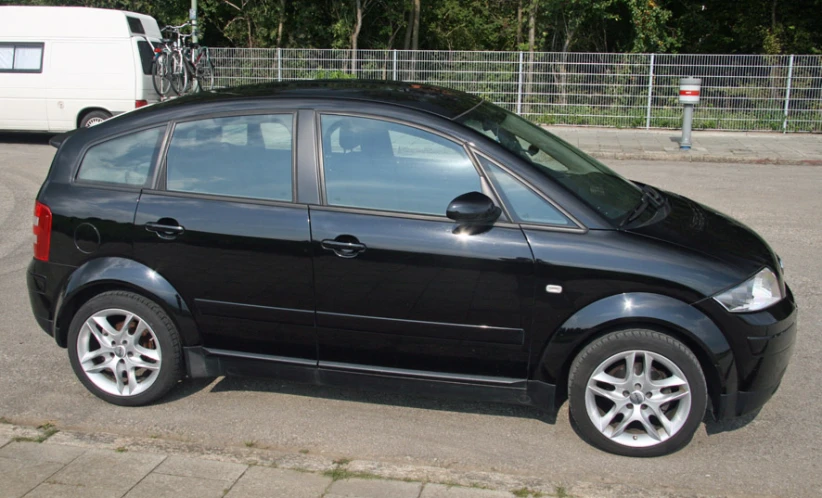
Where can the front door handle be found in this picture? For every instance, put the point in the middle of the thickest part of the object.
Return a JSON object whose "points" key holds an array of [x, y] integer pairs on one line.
{"points": [[342, 248], [168, 229]]}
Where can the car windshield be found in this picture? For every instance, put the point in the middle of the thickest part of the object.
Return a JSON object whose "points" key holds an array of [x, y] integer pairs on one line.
{"points": [[611, 195]]}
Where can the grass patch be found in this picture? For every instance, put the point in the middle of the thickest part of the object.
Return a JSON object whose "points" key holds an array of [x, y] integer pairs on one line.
{"points": [[526, 493], [250, 444], [304, 451], [560, 492], [4, 420], [339, 473], [121, 449], [342, 461], [46, 431]]}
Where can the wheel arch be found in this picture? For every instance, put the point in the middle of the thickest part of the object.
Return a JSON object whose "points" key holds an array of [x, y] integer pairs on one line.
{"points": [[114, 273], [656, 312]]}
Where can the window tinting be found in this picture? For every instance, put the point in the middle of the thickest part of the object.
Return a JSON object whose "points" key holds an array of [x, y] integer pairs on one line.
{"points": [[527, 205], [124, 160], [242, 156], [21, 57], [146, 55], [377, 164], [135, 25]]}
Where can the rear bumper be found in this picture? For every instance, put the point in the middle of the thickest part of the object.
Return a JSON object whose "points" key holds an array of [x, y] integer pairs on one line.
{"points": [[40, 304]]}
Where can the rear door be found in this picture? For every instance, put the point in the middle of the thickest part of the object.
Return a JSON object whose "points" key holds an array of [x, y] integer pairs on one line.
{"points": [[400, 288], [224, 229]]}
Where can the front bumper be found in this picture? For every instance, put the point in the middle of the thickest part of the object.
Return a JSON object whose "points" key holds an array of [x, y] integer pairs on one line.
{"points": [[763, 344]]}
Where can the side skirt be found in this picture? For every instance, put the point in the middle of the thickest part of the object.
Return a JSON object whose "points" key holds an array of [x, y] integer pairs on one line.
{"points": [[205, 362]]}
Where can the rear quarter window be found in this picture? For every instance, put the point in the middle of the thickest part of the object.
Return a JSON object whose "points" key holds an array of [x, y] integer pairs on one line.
{"points": [[146, 55], [125, 160]]}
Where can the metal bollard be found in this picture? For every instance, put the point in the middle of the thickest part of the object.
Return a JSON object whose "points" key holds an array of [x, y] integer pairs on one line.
{"points": [[688, 96]]}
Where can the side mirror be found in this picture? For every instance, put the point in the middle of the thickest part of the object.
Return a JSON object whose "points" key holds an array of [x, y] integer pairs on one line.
{"points": [[473, 207]]}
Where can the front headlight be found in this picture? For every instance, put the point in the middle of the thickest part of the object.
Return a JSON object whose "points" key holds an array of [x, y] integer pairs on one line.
{"points": [[756, 293]]}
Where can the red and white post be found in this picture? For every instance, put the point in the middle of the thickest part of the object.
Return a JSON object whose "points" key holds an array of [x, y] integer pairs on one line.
{"points": [[689, 90]]}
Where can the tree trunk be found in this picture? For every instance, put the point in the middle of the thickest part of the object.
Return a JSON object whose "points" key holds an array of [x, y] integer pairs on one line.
{"points": [[355, 36], [280, 27], [532, 38], [415, 37], [410, 28], [519, 23]]}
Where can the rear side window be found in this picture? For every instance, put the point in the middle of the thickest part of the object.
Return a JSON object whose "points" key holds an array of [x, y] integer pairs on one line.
{"points": [[124, 160], [240, 156], [21, 57], [135, 25]]}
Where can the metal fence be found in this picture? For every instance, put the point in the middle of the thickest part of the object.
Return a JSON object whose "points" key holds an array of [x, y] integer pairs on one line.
{"points": [[739, 92]]}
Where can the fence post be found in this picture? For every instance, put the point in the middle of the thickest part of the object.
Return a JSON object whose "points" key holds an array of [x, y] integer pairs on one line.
{"points": [[788, 96], [519, 87], [650, 93], [395, 64], [279, 64]]}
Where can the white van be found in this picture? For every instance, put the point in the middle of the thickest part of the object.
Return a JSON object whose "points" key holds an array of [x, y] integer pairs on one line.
{"points": [[67, 67]]}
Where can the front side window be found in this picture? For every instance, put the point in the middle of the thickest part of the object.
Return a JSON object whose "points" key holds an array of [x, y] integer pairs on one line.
{"points": [[374, 164], [21, 57], [240, 156], [527, 205], [125, 160]]}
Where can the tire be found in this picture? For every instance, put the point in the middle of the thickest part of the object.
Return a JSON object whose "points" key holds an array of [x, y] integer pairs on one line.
{"points": [[94, 118], [205, 73], [179, 74], [611, 409], [161, 75], [147, 356]]}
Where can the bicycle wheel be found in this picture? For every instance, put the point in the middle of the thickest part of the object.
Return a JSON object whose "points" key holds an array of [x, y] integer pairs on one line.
{"points": [[160, 75], [179, 74], [205, 71]]}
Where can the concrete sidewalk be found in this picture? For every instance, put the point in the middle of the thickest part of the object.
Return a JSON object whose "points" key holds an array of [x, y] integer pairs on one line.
{"points": [[708, 146], [45, 462]]}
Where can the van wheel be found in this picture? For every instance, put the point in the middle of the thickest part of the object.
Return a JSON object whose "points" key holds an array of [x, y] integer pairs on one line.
{"points": [[94, 118], [125, 349], [637, 393]]}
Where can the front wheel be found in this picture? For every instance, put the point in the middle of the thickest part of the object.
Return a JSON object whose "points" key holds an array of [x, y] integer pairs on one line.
{"points": [[179, 74], [161, 75], [637, 393], [125, 349]]}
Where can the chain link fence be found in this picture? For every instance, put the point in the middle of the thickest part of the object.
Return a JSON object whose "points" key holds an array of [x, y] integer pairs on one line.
{"points": [[739, 92]]}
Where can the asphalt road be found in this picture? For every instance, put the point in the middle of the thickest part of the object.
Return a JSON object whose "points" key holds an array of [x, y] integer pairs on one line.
{"points": [[777, 453]]}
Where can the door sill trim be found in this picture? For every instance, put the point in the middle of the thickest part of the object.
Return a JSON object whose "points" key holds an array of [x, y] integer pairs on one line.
{"points": [[265, 357], [425, 374]]}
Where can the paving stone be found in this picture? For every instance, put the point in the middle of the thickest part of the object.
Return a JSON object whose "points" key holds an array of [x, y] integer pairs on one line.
{"points": [[18, 477], [49, 490], [166, 486], [265, 482], [205, 469], [106, 472], [41, 452], [375, 488], [442, 491]]}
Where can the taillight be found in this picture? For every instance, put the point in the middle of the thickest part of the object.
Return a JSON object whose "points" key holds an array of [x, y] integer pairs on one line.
{"points": [[158, 50], [42, 231], [140, 103]]}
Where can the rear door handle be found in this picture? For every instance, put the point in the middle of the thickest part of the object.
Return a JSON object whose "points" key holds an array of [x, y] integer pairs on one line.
{"points": [[166, 231], [343, 249]]}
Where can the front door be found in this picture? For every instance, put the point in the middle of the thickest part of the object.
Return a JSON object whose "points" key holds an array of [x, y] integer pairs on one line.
{"points": [[226, 233], [400, 289]]}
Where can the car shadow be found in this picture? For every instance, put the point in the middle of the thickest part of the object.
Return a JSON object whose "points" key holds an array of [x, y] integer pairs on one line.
{"points": [[719, 426], [425, 402], [27, 138]]}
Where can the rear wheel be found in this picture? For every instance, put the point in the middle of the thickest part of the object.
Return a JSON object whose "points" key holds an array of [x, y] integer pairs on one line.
{"points": [[637, 393], [179, 74], [161, 75], [94, 118], [125, 349]]}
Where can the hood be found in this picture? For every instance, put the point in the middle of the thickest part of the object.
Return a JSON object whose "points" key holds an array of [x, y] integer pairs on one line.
{"points": [[701, 229]]}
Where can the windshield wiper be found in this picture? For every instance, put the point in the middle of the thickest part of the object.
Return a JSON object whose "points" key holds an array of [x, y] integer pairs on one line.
{"points": [[650, 197]]}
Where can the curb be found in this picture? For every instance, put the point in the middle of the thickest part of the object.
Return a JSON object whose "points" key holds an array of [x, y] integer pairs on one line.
{"points": [[703, 158], [354, 468]]}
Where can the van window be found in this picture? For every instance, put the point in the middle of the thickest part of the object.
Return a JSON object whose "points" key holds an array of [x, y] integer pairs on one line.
{"points": [[21, 57], [124, 160], [146, 55], [135, 25]]}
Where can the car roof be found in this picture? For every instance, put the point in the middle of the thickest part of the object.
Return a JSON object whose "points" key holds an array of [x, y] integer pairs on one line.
{"points": [[437, 100]]}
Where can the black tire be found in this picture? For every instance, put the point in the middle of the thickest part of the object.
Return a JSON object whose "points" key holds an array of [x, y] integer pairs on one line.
{"points": [[180, 77], [160, 75], [662, 348], [169, 367], [94, 117]]}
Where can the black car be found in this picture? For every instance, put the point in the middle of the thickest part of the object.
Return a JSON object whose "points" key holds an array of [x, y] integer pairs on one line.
{"points": [[392, 235]]}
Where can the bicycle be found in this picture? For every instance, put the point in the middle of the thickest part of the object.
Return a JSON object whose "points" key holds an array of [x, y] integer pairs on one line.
{"points": [[180, 66]]}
